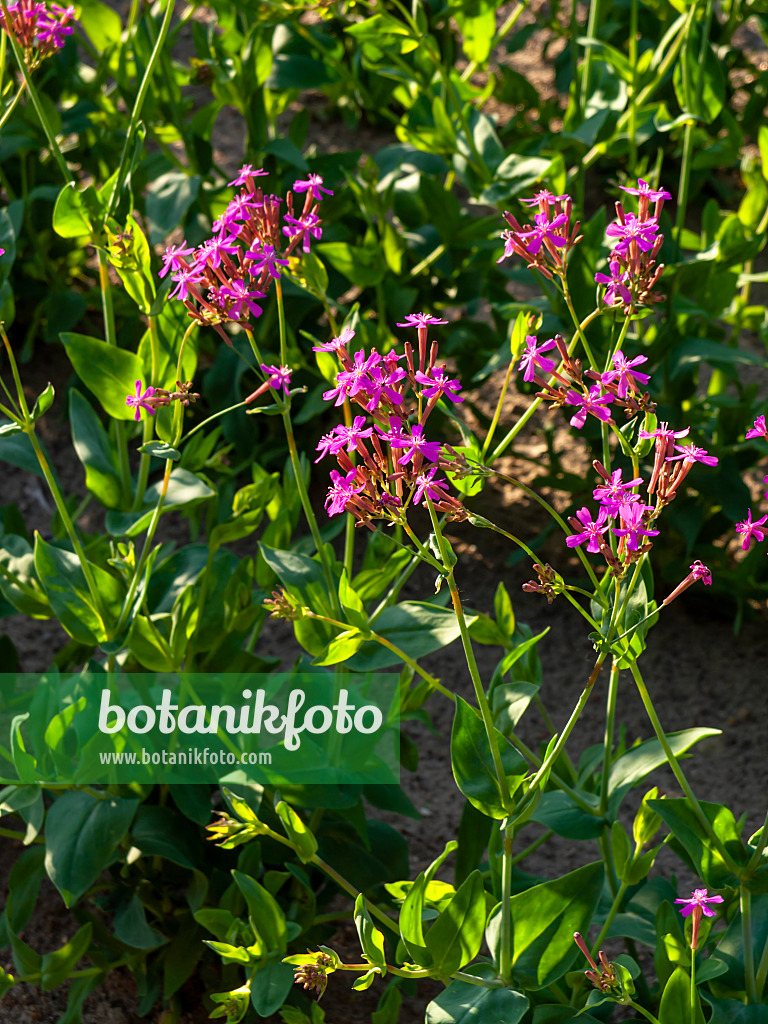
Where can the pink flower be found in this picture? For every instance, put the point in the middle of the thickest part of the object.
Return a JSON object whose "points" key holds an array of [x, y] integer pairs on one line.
{"points": [[545, 196], [759, 429], [616, 282], [172, 257], [633, 229], [697, 905], [644, 189], [439, 384], [591, 530], [531, 358], [420, 320], [699, 571], [626, 374], [245, 173], [417, 444], [614, 493], [342, 489], [314, 183], [277, 377], [750, 529], [426, 484], [632, 524], [690, 453], [545, 229], [139, 400], [593, 402], [340, 341], [266, 258]]}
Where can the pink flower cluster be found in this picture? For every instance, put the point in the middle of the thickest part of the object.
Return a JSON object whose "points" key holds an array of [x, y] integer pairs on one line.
{"points": [[635, 245], [545, 244], [395, 461], [756, 530], [620, 502], [37, 28], [621, 385], [222, 280]]}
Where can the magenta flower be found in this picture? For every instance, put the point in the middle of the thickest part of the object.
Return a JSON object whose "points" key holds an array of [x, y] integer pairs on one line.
{"points": [[277, 377], [644, 189], [626, 375], [395, 435], [350, 436], [342, 489], [440, 384], [632, 524], [326, 444], [266, 257], [593, 402], [245, 173], [664, 432], [592, 530], [381, 385], [699, 571], [697, 905], [172, 257], [417, 444], [313, 182], [759, 429], [214, 249], [690, 453], [139, 400], [750, 529], [238, 294], [341, 341], [426, 484], [307, 226], [545, 229], [633, 229], [616, 286], [420, 320], [183, 278], [613, 493], [532, 358], [545, 196]]}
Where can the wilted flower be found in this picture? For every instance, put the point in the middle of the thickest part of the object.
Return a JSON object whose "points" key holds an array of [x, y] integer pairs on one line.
{"points": [[699, 571]]}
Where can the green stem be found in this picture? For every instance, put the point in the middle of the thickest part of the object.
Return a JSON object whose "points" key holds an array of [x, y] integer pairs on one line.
{"points": [[610, 717], [694, 999], [518, 857], [136, 112], [574, 317], [110, 336], [353, 892], [677, 770], [149, 422], [497, 413], [762, 973], [611, 914], [505, 939], [645, 1013], [39, 109], [745, 905], [12, 105], [469, 654]]}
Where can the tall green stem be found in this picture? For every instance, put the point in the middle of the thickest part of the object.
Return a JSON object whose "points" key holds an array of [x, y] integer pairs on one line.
{"points": [[136, 112], [110, 336], [674, 764], [745, 906]]}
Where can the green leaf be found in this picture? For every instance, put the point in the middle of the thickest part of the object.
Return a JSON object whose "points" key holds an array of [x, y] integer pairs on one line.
{"points": [[363, 266], [473, 766], [675, 1003], [57, 966], [160, 450], [267, 919], [168, 199], [101, 23], [108, 372], [544, 919], [371, 938], [457, 934], [163, 832], [557, 811], [43, 402], [693, 840], [67, 590], [464, 1003], [416, 627], [270, 987], [304, 842], [353, 607], [341, 648], [95, 451], [81, 836], [411, 927], [185, 490], [636, 764], [130, 926], [77, 213]]}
